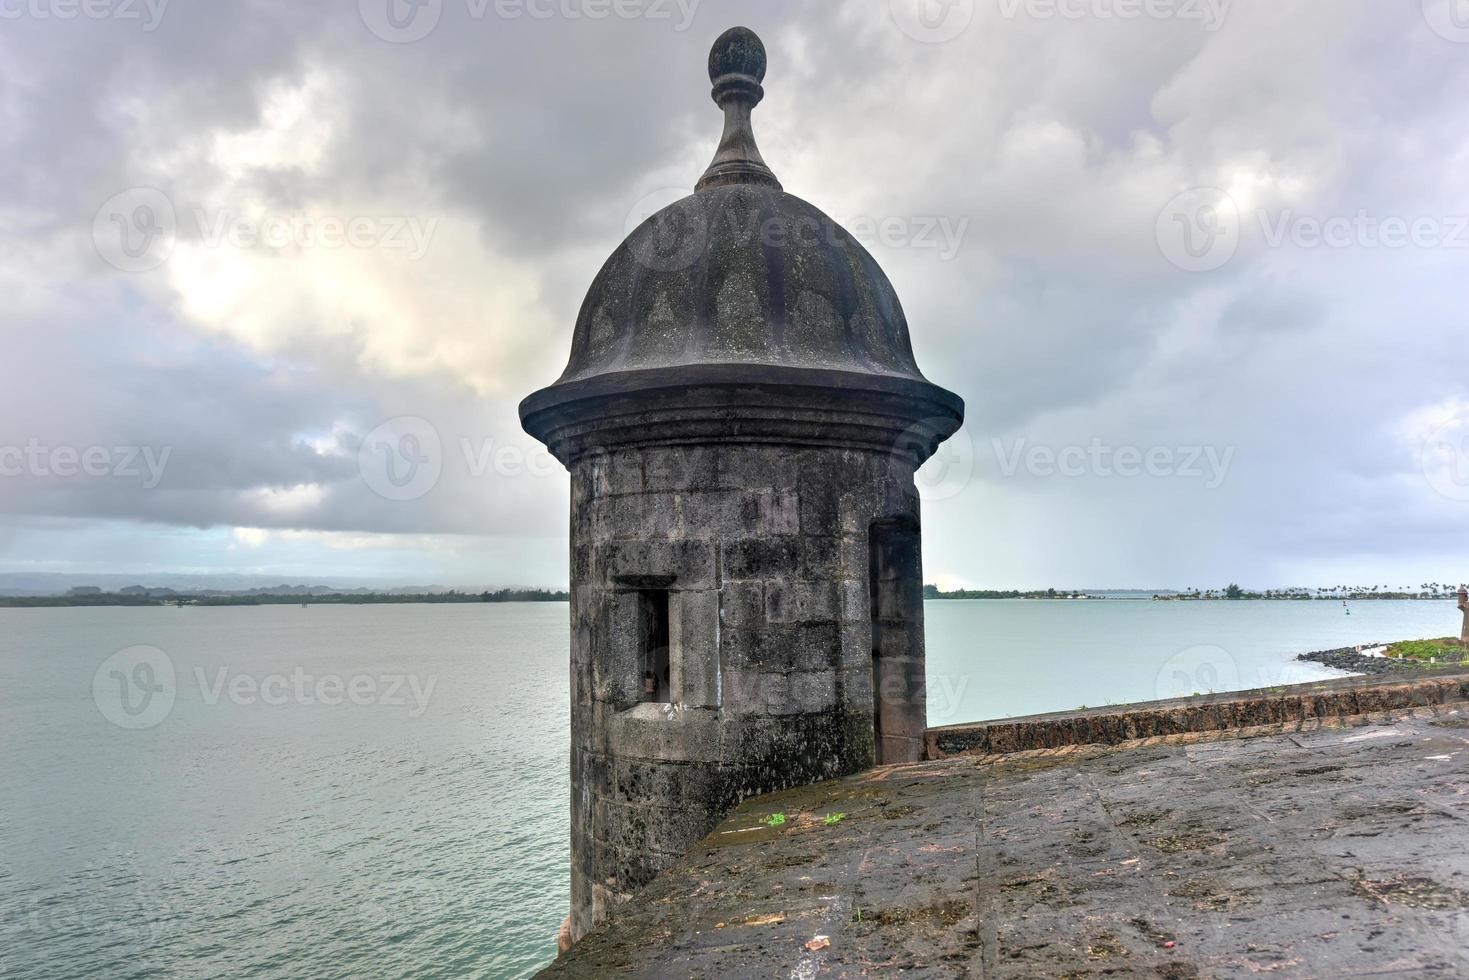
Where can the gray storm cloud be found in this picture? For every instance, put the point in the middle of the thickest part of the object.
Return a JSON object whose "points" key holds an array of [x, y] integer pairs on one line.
{"points": [[1042, 148]]}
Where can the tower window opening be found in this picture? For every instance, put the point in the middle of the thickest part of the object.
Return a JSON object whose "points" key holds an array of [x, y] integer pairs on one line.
{"points": [[653, 633]]}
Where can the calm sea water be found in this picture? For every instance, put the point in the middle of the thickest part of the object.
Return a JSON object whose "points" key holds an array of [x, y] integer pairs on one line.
{"points": [[998, 658], [301, 839], [380, 791]]}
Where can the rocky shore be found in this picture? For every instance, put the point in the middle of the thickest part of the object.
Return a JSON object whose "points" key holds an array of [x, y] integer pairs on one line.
{"points": [[1353, 660]]}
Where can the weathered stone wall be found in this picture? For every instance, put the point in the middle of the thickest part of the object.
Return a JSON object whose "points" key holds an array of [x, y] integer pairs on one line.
{"points": [[1298, 705], [764, 552]]}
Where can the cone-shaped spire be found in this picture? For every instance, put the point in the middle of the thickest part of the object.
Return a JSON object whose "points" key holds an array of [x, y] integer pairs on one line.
{"points": [[737, 67]]}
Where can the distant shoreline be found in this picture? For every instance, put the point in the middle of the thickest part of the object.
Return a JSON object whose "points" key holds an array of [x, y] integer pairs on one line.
{"points": [[1149, 598], [1125, 596], [115, 599], [138, 596]]}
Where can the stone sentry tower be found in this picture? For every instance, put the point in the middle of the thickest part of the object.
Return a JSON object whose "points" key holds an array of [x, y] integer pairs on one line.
{"points": [[742, 417]]}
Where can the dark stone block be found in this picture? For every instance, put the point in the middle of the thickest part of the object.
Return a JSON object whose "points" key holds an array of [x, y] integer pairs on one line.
{"points": [[680, 468], [782, 648], [757, 558], [742, 604], [801, 602]]}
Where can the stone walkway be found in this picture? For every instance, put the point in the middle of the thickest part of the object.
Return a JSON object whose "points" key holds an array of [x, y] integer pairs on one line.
{"points": [[1331, 853]]}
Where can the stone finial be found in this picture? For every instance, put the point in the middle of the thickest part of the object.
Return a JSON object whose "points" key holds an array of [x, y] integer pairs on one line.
{"points": [[737, 67]]}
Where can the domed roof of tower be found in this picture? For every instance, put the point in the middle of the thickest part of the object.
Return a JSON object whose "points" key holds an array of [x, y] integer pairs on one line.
{"points": [[740, 271], [739, 283]]}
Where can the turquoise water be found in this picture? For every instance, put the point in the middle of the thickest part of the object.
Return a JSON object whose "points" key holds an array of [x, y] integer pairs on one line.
{"points": [[381, 791]]}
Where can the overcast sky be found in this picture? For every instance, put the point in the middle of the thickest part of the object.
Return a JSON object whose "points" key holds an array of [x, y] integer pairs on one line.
{"points": [[1198, 268]]}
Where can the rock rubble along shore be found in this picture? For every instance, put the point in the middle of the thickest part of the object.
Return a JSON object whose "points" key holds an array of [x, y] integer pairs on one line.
{"points": [[1349, 659]]}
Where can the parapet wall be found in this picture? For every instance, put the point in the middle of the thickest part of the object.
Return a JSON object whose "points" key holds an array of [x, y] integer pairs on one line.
{"points": [[1298, 705]]}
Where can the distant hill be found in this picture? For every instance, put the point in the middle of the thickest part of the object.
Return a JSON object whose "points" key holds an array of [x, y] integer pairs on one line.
{"points": [[62, 584]]}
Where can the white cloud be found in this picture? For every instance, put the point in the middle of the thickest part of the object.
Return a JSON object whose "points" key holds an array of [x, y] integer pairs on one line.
{"points": [[250, 537]]}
